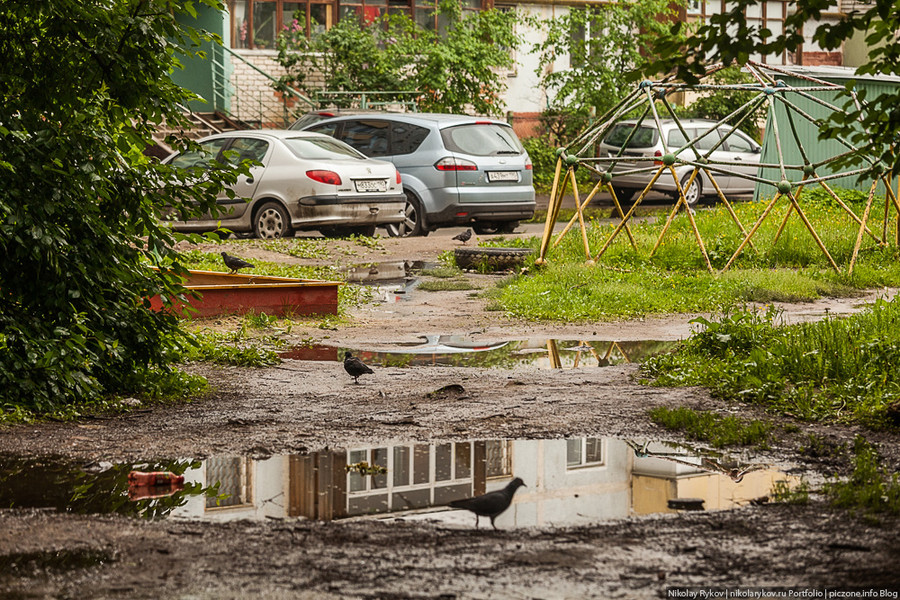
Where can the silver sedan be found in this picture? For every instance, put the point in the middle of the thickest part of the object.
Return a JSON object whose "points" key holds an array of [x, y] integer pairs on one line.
{"points": [[298, 181]]}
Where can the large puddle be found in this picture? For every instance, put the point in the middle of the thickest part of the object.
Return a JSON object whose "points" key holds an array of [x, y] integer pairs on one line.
{"points": [[458, 351], [569, 482]]}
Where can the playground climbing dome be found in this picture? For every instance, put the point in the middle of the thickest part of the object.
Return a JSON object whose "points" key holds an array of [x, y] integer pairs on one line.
{"points": [[785, 179]]}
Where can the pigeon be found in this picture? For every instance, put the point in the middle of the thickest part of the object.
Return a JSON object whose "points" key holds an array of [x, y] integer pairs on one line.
{"points": [[464, 237], [355, 367], [491, 504], [234, 263]]}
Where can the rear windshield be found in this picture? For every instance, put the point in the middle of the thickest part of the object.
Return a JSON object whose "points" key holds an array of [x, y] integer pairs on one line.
{"points": [[644, 137], [320, 148], [482, 139]]}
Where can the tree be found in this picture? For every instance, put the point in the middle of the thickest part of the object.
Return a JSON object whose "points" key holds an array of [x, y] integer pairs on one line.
{"points": [[603, 45], [84, 83], [453, 71], [729, 39]]}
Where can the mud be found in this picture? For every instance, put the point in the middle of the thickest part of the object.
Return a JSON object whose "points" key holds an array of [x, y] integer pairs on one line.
{"points": [[303, 406]]}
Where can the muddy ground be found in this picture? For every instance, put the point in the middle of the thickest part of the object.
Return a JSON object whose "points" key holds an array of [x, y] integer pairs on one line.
{"points": [[301, 406]]}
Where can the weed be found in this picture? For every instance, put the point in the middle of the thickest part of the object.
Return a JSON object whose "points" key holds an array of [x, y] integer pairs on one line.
{"points": [[782, 491], [446, 285], [441, 272], [709, 427], [834, 369], [870, 489]]}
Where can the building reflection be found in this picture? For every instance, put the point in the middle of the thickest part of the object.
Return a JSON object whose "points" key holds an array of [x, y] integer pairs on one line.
{"points": [[569, 481]]}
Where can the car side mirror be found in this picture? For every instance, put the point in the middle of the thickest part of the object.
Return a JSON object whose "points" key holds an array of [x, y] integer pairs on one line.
{"points": [[757, 150]]}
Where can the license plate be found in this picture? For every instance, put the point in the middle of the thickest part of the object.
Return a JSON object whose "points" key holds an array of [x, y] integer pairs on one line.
{"points": [[503, 176], [371, 185]]}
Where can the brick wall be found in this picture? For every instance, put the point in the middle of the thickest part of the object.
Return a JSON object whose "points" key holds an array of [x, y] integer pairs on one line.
{"points": [[254, 99]]}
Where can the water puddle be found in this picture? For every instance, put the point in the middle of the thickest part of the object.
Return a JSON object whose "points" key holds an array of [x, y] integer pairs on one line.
{"points": [[390, 281], [458, 351], [568, 482]]}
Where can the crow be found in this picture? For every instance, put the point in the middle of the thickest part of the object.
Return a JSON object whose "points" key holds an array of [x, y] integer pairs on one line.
{"points": [[464, 237], [355, 367], [234, 263], [491, 504]]}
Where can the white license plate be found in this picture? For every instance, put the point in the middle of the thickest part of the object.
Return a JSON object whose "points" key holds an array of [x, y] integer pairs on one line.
{"points": [[371, 185], [503, 176]]}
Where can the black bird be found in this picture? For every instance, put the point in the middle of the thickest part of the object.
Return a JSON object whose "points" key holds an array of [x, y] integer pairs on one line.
{"points": [[234, 263], [491, 504], [355, 367], [464, 237]]}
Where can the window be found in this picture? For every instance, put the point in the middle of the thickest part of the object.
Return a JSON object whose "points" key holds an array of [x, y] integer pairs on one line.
{"points": [[200, 158], [369, 136], [406, 138], [247, 149], [320, 149], [482, 140], [255, 24], [498, 458], [738, 143], [584, 452], [232, 474], [644, 137]]}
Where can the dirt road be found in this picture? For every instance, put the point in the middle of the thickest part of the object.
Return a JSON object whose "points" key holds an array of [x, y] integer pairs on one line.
{"points": [[301, 407]]}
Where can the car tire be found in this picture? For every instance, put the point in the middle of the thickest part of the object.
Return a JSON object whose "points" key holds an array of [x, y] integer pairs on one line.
{"points": [[490, 259], [493, 227], [271, 221], [415, 220], [348, 230], [624, 194], [693, 194]]}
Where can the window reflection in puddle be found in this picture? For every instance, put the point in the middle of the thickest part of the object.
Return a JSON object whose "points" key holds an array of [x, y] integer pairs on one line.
{"points": [[569, 482]]}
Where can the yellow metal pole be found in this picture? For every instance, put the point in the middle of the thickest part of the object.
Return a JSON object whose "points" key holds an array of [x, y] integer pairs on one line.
{"points": [[846, 208], [812, 230], [865, 217], [575, 216], [627, 216], [580, 215], [727, 204], [612, 193], [690, 215], [548, 226], [756, 225]]}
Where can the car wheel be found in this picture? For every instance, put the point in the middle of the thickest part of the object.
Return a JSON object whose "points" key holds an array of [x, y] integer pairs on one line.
{"points": [[271, 221], [693, 193], [347, 231], [624, 194], [492, 227], [413, 224]]}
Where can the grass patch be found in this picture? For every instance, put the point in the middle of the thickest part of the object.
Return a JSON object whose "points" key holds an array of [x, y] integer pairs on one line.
{"points": [[442, 272], [446, 285], [628, 283], [839, 370], [717, 430]]}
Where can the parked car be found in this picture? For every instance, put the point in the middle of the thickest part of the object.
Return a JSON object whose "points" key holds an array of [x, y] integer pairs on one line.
{"points": [[738, 152], [304, 181], [456, 169]]}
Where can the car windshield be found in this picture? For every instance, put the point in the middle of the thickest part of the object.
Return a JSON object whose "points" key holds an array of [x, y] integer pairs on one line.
{"points": [[480, 139], [320, 148], [644, 137]]}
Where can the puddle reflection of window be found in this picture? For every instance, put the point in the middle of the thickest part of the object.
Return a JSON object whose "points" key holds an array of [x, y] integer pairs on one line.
{"points": [[584, 452], [232, 473], [498, 459]]}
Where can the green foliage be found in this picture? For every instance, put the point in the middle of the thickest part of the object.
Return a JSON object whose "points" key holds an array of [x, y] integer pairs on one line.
{"points": [[452, 71], [604, 44], [709, 427], [835, 369], [727, 37], [84, 84], [871, 489]]}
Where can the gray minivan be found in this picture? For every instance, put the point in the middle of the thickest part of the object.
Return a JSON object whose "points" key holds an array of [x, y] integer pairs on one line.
{"points": [[456, 169]]}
